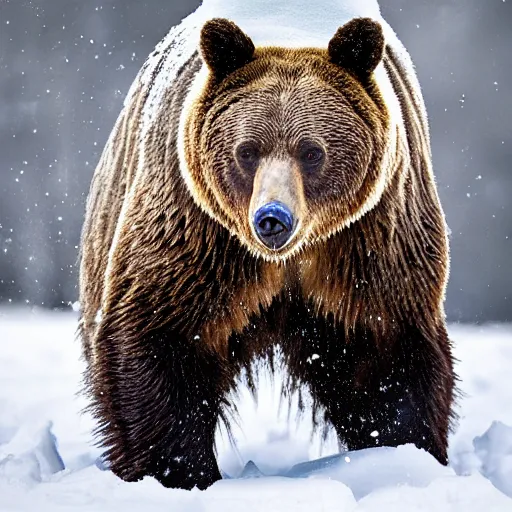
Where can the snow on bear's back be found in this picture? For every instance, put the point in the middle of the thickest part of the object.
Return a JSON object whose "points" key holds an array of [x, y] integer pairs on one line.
{"points": [[290, 23]]}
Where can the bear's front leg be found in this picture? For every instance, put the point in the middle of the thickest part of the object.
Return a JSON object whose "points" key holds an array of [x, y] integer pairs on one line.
{"points": [[156, 397], [402, 394], [378, 392]]}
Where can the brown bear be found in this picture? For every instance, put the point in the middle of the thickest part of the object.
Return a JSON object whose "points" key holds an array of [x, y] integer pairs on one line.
{"points": [[275, 197]]}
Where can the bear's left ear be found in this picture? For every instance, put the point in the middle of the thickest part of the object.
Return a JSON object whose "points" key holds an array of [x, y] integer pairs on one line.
{"points": [[224, 47], [358, 47]]}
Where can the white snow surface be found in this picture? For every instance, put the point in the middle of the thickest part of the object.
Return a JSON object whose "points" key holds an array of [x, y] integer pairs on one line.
{"points": [[48, 460]]}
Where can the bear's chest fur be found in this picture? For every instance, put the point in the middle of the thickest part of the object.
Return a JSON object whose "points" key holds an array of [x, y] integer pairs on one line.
{"points": [[334, 281]]}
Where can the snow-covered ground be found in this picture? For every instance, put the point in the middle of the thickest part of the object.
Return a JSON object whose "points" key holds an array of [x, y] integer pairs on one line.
{"points": [[48, 461]]}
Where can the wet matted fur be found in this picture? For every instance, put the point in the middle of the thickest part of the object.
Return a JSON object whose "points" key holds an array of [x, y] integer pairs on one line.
{"points": [[189, 297]]}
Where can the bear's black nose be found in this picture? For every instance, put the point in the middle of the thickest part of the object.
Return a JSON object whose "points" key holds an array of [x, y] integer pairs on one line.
{"points": [[273, 223]]}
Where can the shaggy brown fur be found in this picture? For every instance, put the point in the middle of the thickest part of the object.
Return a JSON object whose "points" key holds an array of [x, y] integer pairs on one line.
{"points": [[189, 296]]}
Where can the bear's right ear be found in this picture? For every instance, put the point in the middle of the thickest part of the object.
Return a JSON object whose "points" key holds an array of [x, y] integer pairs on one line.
{"points": [[224, 47], [358, 47]]}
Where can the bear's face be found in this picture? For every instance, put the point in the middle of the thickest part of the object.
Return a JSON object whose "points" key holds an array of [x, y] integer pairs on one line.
{"points": [[287, 146]]}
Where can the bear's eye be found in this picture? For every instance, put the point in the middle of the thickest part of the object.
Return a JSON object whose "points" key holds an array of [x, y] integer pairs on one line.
{"points": [[311, 155], [247, 155]]}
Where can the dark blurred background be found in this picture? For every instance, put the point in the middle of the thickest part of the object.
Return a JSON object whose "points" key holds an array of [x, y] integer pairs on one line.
{"points": [[66, 65]]}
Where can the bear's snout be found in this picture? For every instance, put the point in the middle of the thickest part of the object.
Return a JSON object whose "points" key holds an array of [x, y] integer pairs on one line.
{"points": [[277, 203], [274, 224]]}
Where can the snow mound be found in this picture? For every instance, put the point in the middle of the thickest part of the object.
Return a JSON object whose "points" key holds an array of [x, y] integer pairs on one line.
{"points": [[31, 456], [366, 471], [494, 450]]}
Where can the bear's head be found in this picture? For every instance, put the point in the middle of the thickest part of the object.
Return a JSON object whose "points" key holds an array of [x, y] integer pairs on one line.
{"points": [[285, 147]]}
